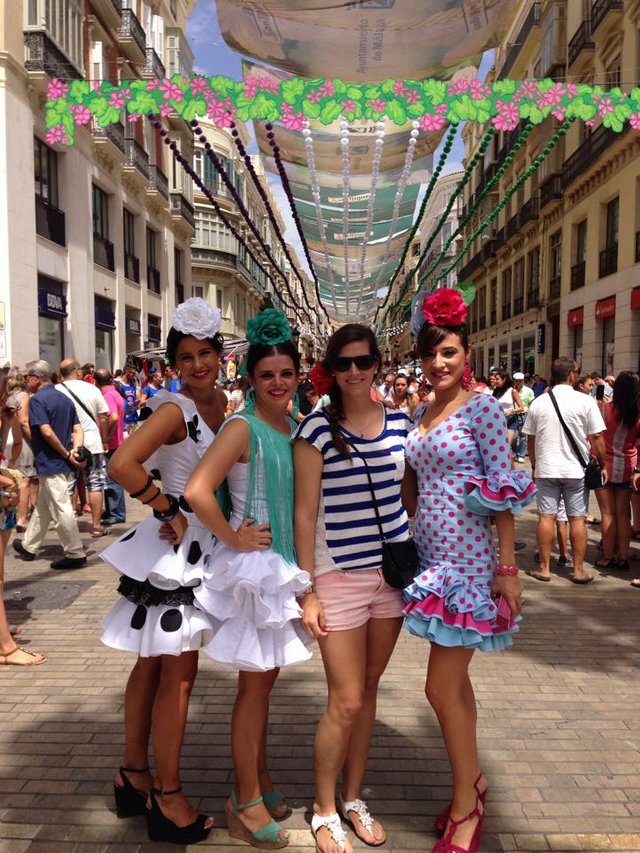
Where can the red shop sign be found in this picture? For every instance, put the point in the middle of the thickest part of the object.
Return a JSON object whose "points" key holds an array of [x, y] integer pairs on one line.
{"points": [[606, 308], [635, 298], [575, 318]]}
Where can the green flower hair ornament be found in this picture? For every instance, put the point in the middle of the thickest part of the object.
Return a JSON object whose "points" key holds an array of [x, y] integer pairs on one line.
{"points": [[269, 327]]}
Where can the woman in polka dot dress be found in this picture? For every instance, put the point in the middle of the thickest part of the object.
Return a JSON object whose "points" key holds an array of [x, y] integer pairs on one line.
{"points": [[459, 455], [162, 562]]}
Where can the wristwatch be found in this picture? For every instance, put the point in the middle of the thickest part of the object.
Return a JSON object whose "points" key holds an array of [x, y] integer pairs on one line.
{"points": [[170, 513]]}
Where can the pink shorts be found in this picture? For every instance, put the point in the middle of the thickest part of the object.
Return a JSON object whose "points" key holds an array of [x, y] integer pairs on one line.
{"points": [[350, 599]]}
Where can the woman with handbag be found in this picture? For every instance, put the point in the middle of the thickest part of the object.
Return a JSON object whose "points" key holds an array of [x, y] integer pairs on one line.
{"points": [[349, 465], [459, 454]]}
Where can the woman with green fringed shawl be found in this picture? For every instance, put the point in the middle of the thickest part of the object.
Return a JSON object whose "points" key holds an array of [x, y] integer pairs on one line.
{"points": [[252, 582]]}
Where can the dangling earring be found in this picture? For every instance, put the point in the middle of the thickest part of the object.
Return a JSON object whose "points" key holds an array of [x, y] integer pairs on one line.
{"points": [[467, 377], [250, 400]]}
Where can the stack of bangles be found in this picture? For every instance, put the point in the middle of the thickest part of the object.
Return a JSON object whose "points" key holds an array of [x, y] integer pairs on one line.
{"points": [[171, 511], [511, 571]]}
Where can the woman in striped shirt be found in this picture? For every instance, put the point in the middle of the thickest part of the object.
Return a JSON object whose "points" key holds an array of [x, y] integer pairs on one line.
{"points": [[351, 610]]}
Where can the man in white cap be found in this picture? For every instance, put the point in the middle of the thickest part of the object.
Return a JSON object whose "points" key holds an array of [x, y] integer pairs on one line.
{"points": [[527, 396]]}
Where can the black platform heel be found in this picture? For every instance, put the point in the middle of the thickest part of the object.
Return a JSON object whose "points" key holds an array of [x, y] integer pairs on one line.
{"points": [[160, 828], [129, 801]]}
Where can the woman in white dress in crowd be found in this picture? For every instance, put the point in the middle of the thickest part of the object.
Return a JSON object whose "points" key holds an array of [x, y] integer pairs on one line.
{"points": [[251, 586], [161, 562]]}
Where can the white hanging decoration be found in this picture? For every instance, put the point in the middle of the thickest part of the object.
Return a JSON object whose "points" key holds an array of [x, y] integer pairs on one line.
{"points": [[375, 172]]}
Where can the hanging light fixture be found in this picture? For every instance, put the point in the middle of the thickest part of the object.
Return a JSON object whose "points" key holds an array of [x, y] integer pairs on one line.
{"points": [[387, 356]]}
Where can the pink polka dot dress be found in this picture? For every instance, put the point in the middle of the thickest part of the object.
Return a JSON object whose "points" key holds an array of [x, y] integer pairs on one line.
{"points": [[464, 476]]}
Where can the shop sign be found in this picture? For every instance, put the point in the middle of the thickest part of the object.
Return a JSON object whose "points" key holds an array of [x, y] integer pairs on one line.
{"points": [[53, 304], [541, 333], [575, 318], [606, 308], [133, 327]]}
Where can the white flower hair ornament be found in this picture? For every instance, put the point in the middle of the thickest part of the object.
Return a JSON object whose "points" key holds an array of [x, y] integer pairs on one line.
{"points": [[196, 317]]}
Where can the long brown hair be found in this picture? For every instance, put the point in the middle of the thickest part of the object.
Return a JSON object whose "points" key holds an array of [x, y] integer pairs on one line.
{"points": [[349, 334]]}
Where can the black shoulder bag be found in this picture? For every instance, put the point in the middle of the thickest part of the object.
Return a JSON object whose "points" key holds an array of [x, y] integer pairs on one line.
{"points": [[399, 559], [83, 454], [592, 469]]}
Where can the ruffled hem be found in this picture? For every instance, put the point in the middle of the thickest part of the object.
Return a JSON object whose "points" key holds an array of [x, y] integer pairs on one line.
{"points": [[153, 631], [252, 601], [453, 610], [141, 554], [513, 490]]}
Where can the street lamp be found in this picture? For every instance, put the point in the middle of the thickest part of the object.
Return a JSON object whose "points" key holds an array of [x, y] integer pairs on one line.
{"points": [[387, 356], [396, 353]]}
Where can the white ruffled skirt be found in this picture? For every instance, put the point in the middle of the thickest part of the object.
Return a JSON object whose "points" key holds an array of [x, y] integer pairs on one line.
{"points": [[251, 600]]}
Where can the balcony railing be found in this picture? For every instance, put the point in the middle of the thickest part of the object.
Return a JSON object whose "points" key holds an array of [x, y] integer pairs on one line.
{"points": [[158, 182], [551, 190], [136, 157], [499, 239], [578, 275], [50, 222], [600, 9], [153, 279], [529, 211], [554, 288], [43, 55], [132, 36], [153, 66], [112, 133], [246, 272], [518, 305], [131, 267], [471, 266], [580, 41], [103, 252], [513, 226], [203, 255], [488, 250], [608, 260], [587, 154], [182, 208], [532, 20]]}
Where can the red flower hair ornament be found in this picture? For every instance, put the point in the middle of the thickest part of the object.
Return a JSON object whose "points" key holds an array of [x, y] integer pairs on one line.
{"points": [[321, 379], [446, 306]]}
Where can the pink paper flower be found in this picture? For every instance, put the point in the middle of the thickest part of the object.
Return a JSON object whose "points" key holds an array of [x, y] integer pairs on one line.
{"points": [[133, 117], [56, 135], [56, 89], [198, 85], [528, 89], [314, 96], [605, 106], [400, 88], [165, 110], [327, 89], [378, 105], [444, 307], [250, 87], [431, 123], [221, 113], [349, 106], [634, 121], [119, 99], [458, 87], [170, 90], [413, 97], [268, 84], [478, 90], [293, 121], [507, 118], [558, 114], [82, 115], [152, 84]]}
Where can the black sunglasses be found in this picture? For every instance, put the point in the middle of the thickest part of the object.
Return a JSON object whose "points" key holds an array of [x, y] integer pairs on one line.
{"points": [[343, 363]]}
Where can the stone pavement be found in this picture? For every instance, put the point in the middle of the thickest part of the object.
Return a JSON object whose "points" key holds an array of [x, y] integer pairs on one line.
{"points": [[559, 724]]}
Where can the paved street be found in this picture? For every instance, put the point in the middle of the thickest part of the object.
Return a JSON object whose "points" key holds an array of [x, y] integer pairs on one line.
{"points": [[558, 724]]}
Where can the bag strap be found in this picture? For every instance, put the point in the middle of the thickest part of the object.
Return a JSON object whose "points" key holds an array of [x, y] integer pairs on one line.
{"points": [[567, 431], [79, 401]]}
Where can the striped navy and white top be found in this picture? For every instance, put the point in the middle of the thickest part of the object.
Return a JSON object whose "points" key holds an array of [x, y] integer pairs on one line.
{"points": [[347, 532]]}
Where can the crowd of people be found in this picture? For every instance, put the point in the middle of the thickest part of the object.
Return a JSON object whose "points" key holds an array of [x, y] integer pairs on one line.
{"points": [[276, 500]]}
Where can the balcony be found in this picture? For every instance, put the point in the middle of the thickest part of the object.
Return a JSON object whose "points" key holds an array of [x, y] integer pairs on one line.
{"points": [[528, 211], [551, 190], [471, 266], [506, 311], [513, 227], [158, 184], [153, 67], [136, 161], [587, 154], [110, 12], [131, 267], [488, 250], [246, 272], [518, 305], [608, 260], [578, 275], [132, 38], [532, 20], [153, 279], [554, 288], [109, 138], [580, 44], [103, 252], [44, 57], [499, 239], [182, 209], [204, 256], [602, 11], [50, 222]]}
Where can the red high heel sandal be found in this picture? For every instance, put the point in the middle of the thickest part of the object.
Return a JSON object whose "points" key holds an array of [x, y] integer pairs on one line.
{"points": [[446, 845], [440, 823]]}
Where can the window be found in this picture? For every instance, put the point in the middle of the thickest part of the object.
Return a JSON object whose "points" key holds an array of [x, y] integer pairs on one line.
{"points": [[210, 232], [178, 56], [154, 330], [518, 287], [207, 172], [609, 256], [482, 308], [153, 273], [612, 74], [45, 172], [578, 269], [178, 259], [100, 213], [131, 262], [555, 261], [198, 291], [506, 294], [493, 302], [99, 67], [62, 20], [533, 278]]}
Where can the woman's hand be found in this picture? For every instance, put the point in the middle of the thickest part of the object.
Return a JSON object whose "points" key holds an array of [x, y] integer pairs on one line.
{"points": [[173, 531], [252, 537], [313, 620], [510, 588]]}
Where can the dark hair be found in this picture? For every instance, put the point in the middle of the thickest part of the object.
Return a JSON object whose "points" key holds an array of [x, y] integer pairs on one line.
{"points": [[561, 368], [345, 335], [432, 336], [175, 337], [102, 377], [259, 351], [507, 383], [625, 398]]}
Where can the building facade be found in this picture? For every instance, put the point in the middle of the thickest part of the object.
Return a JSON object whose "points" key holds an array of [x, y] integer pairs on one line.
{"points": [[557, 272]]}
